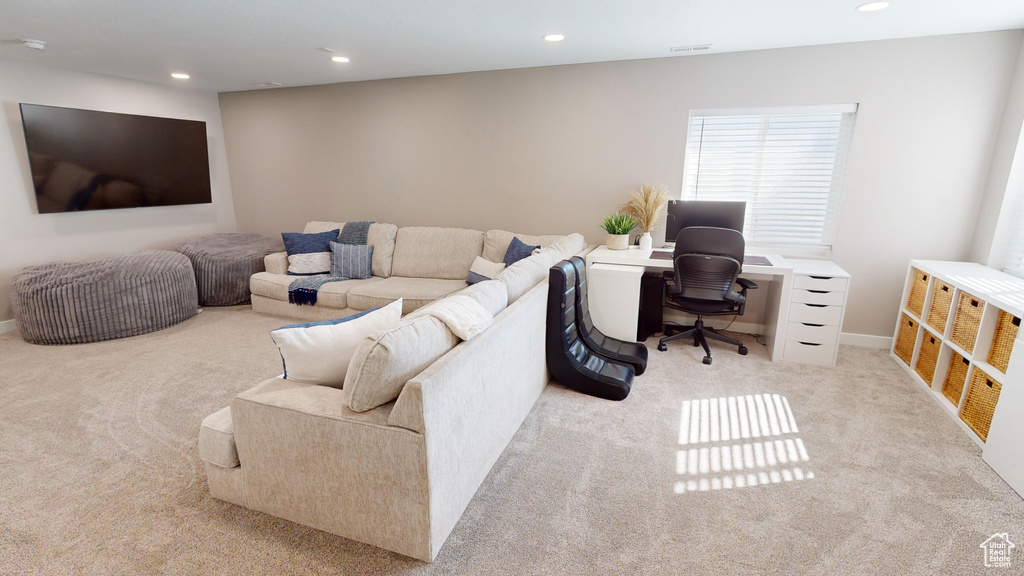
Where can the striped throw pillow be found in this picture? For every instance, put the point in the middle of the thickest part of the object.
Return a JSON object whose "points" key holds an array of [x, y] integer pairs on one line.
{"points": [[351, 260]]}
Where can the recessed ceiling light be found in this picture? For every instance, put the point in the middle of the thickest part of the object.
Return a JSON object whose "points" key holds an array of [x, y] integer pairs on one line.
{"points": [[554, 37], [873, 6], [339, 59], [180, 76]]}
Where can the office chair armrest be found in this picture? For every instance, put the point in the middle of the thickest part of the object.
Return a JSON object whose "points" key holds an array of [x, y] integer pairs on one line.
{"points": [[746, 284]]}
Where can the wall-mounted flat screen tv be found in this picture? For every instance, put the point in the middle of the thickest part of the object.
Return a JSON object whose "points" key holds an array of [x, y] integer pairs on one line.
{"points": [[89, 160]]}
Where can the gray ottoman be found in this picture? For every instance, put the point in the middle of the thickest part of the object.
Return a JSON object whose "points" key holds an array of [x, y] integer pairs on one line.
{"points": [[75, 302], [224, 263]]}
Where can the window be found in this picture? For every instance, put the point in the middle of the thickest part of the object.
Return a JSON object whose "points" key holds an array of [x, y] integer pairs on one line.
{"points": [[786, 163], [1008, 243]]}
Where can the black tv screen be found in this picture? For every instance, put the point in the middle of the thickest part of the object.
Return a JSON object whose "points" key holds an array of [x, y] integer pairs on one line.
{"points": [[89, 160]]}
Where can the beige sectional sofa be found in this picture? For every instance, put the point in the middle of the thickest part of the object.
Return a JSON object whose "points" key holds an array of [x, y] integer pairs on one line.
{"points": [[417, 264], [398, 475]]}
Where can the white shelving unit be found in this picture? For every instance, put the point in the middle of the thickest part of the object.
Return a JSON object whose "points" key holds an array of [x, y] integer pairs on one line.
{"points": [[984, 310], [817, 306]]}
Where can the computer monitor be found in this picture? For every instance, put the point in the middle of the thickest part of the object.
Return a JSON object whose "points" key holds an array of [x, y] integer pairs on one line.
{"points": [[720, 214]]}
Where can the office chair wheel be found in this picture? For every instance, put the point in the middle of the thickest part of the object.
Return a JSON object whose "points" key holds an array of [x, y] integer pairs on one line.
{"points": [[662, 347], [707, 360], [743, 350]]}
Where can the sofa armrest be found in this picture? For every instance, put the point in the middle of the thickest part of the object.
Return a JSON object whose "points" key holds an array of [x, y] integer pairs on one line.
{"points": [[307, 458], [276, 263]]}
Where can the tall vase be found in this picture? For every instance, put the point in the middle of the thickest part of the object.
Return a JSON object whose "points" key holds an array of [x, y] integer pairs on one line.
{"points": [[646, 243]]}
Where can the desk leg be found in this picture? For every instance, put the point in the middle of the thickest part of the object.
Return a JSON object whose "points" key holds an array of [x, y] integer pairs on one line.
{"points": [[613, 292], [776, 315]]}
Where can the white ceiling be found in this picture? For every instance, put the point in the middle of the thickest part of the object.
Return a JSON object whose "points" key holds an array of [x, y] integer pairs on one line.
{"points": [[229, 45]]}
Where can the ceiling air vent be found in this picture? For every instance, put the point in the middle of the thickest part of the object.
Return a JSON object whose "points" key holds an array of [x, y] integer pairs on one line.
{"points": [[694, 49]]}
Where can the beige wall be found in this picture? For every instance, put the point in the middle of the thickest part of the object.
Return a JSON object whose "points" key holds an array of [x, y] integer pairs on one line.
{"points": [[553, 150], [28, 238]]}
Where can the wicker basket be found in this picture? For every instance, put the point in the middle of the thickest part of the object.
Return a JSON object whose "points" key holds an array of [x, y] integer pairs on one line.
{"points": [[967, 321], [905, 339], [918, 289], [981, 403], [938, 313], [928, 357], [1002, 340], [953, 387]]}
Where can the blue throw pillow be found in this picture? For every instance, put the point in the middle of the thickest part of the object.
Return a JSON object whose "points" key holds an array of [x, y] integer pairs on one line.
{"points": [[351, 260], [309, 254], [517, 250]]}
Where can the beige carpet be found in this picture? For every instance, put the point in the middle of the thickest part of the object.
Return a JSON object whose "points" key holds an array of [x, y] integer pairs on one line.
{"points": [[99, 472]]}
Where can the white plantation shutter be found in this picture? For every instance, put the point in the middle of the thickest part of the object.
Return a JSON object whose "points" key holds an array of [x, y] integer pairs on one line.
{"points": [[787, 164]]}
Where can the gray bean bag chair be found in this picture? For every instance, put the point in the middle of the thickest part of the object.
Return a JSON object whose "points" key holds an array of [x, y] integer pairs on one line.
{"points": [[224, 263], [75, 302]]}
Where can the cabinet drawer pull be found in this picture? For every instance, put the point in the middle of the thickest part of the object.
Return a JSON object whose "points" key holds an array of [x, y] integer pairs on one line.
{"points": [[818, 291], [817, 305], [821, 277], [812, 325], [810, 344]]}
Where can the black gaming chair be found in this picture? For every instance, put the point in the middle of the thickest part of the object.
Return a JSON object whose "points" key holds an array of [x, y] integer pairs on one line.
{"points": [[569, 360], [632, 353], [707, 262]]}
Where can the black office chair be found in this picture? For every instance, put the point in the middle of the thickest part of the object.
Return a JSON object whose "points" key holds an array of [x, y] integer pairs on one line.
{"points": [[633, 353], [707, 262]]}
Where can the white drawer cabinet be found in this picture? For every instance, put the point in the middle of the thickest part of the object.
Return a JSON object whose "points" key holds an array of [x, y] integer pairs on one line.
{"points": [[816, 309]]}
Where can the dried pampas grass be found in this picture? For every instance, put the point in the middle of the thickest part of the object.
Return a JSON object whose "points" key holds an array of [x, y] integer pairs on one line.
{"points": [[647, 205]]}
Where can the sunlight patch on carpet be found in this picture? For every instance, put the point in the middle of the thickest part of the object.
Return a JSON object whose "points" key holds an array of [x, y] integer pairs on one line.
{"points": [[738, 442]]}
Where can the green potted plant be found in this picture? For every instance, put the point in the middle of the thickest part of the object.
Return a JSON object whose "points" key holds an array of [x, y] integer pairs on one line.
{"points": [[618, 226], [647, 206]]}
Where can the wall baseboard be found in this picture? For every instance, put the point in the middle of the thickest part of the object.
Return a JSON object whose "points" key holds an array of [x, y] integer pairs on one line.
{"points": [[8, 326], [866, 340]]}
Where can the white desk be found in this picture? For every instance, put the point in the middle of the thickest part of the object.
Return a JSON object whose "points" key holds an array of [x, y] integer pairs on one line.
{"points": [[612, 312]]}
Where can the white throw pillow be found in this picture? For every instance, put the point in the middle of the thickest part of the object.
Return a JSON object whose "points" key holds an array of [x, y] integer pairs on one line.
{"points": [[483, 270], [319, 352], [463, 315]]}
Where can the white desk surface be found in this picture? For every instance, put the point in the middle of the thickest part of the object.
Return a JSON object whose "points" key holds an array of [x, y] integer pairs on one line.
{"points": [[636, 257]]}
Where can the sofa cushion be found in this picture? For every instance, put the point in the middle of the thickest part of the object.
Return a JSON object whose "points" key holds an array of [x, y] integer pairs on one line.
{"points": [[330, 295], [567, 247], [351, 260], [492, 295], [443, 253], [525, 274], [217, 439], [482, 270], [381, 236], [384, 362], [319, 352], [415, 292], [309, 254], [496, 243]]}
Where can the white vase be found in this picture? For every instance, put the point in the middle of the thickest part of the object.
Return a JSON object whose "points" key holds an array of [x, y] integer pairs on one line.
{"points": [[618, 241], [646, 243]]}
